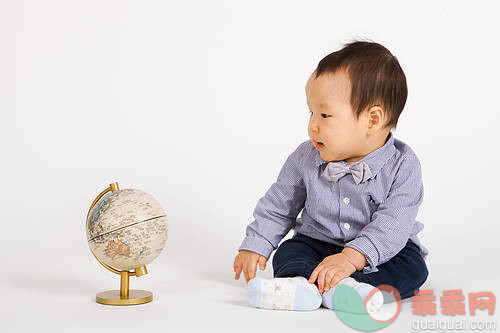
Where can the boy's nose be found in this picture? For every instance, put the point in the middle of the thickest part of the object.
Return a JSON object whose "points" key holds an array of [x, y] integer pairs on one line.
{"points": [[314, 128]]}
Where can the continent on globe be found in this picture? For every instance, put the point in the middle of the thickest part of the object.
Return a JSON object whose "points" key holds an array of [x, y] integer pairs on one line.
{"points": [[115, 248]]}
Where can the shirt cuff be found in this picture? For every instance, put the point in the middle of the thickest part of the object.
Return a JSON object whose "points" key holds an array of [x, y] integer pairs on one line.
{"points": [[257, 245], [364, 245]]}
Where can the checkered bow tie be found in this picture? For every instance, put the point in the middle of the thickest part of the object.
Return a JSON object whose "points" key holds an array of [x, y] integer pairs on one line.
{"points": [[335, 170]]}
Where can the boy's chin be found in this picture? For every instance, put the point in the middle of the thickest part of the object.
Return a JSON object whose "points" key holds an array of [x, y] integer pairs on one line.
{"points": [[330, 158], [327, 157]]}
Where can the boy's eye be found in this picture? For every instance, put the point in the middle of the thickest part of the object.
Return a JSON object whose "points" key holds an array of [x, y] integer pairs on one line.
{"points": [[324, 115]]}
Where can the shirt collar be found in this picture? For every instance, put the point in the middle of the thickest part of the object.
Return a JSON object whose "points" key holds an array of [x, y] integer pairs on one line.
{"points": [[375, 160]]}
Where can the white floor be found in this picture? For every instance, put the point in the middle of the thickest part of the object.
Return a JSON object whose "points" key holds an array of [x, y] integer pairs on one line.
{"points": [[203, 297]]}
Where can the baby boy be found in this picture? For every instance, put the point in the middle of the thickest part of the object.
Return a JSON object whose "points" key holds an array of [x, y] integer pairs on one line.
{"points": [[357, 187]]}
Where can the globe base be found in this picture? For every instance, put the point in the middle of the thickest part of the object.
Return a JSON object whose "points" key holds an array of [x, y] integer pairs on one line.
{"points": [[112, 297]]}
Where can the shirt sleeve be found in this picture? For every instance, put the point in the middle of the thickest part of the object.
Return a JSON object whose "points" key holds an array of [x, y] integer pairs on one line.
{"points": [[276, 212], [392, 223]]}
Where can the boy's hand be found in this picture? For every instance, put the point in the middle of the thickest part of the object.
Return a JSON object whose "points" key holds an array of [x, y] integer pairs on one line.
{"points": [[247, 261], [331, 270]]}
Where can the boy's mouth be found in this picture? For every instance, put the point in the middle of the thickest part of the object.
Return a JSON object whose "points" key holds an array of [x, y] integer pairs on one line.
{"points": [[319, 144]]}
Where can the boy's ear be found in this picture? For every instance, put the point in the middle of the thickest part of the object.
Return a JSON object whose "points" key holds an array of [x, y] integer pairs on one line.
{"points": [[376, 117]]}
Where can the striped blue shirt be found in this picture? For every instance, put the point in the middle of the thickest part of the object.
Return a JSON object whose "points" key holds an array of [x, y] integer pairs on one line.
{"points": [[375, 217]]}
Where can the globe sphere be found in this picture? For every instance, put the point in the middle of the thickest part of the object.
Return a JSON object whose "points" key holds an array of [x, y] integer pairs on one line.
{"points": [[127, 229]]}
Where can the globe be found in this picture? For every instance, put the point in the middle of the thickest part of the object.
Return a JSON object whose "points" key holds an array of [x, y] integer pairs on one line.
{"points": [[126, 229]]}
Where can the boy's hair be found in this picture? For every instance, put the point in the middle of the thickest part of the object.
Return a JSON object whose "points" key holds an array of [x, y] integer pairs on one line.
{"points": [[375, 75]]}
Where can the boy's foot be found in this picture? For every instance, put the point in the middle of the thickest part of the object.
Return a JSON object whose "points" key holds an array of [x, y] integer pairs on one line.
{"points": [[374, 305], [287, 293]]}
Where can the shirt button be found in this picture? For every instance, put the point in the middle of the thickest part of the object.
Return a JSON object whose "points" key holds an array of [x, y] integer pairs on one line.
{"points": [[347, 200], [347, 226]]}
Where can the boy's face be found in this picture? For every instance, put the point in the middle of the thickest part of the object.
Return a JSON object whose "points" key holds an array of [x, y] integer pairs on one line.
{"points": [[333, 128]]}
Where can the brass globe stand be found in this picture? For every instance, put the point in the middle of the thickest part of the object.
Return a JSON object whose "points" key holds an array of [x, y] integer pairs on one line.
{"points": [[124, 296]]}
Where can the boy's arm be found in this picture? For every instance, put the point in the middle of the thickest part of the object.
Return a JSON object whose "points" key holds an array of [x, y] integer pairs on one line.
{"points": [[277, 210], [356, 258], [392, 223]]}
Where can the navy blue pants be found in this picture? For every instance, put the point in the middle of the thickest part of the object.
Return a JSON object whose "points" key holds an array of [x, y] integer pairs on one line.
{"points": [[299, 255]]}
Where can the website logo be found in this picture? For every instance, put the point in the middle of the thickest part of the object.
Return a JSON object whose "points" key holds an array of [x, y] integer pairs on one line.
{"points": [[366, 316], [370, 315]]}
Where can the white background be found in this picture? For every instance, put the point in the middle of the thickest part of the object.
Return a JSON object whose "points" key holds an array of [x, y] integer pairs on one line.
{"points": [[199, 103]]}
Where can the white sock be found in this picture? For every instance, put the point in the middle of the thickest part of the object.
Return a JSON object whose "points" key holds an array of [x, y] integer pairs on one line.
{"points": [[288, 293], [363, 289]]}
